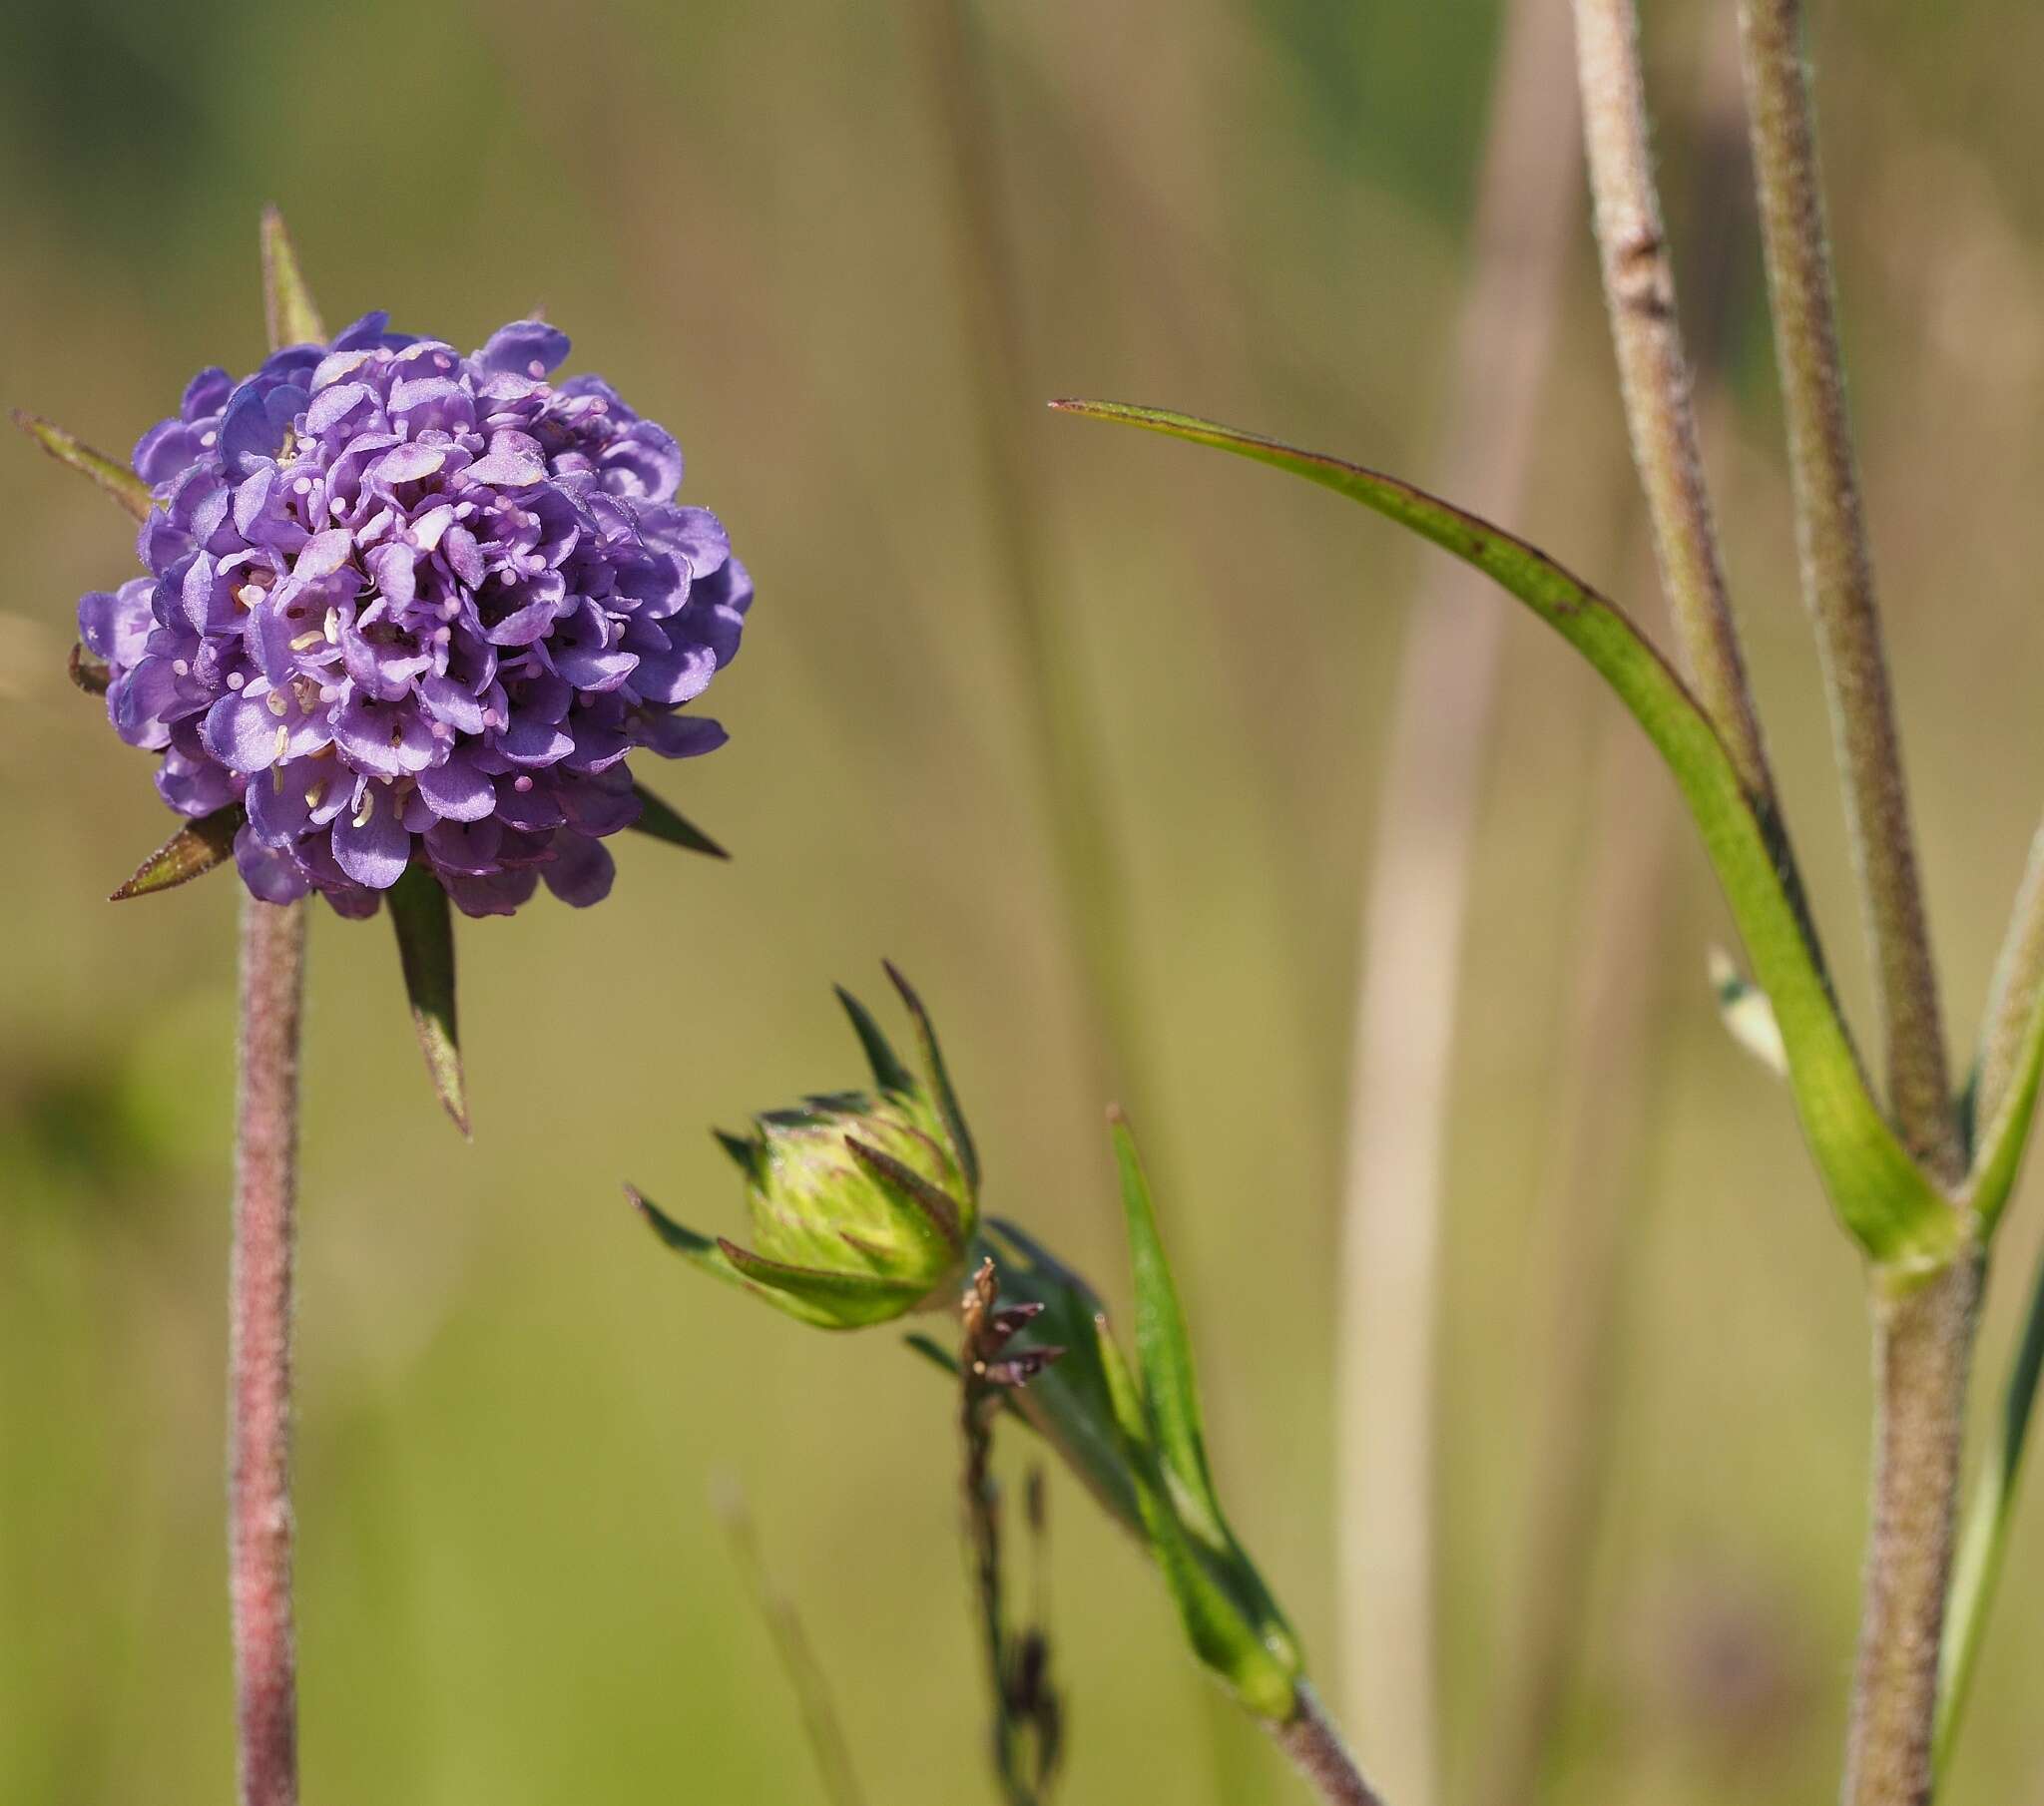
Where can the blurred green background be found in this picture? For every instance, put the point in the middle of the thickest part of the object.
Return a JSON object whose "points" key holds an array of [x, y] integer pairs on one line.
{"points": [[513, 1402]]}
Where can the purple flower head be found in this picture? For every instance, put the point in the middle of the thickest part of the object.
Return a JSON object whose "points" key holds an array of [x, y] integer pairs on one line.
{"points": [[408, 605]]}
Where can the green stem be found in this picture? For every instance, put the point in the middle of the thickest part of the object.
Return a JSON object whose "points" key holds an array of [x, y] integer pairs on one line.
{"points": [[1838, 574], [259, 1524], [1923, 1342]]}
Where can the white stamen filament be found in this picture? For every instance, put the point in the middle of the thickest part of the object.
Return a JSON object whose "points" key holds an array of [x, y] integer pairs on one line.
{"points": [[368, 807], [284, 739]]}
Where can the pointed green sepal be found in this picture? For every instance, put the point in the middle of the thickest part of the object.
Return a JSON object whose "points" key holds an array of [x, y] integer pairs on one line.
{"points": [[1884, 1200], [940, 1080], [1221, 1637], [110, 475], [745, 1154], [703, 1255], [191, 852], [420, 913], [932, 1205], [835, 1300], [660, 821], [888, 1071], [287, 307], [1748, 1016]]}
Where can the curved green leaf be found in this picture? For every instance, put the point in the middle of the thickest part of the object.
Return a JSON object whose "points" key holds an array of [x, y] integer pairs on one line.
{"points": [[1884, 1200], [287, 306], [194, 850], [660, 821], [114, 477], [424, 922]]}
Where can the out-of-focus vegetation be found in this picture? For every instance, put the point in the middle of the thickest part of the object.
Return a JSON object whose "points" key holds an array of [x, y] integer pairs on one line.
{"points": [[512, 1587]]}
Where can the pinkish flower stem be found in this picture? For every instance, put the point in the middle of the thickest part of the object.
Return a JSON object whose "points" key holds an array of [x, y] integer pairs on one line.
{"points": [[260, 1527]]}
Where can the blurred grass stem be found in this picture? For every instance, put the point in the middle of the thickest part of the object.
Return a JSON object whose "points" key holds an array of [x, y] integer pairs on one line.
{"points": [[1087, 867], [259, 1523], [1386, 1383], [820, 1723]]}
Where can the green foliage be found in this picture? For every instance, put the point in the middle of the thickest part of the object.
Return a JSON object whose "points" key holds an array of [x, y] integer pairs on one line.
{"points": [[194, 850], [420, 913], [1885, 1201], [128, 490], [663, 823], [287, 306]]}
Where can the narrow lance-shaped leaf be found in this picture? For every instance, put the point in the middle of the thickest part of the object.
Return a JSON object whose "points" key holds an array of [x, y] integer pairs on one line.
{"points": [[425, 949], [194, 850], [128, 490], [660, 821], [287, 306], [1884, 1198], [1171, 1391], [1220, 1635], [1984, 1540], [1163, 1349]]}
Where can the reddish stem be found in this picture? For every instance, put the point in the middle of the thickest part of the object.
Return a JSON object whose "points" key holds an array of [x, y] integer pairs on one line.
{"points": [[260, 1527]]}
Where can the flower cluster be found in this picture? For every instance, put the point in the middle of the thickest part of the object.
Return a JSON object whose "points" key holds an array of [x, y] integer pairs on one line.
{"points": [[405, 604]]}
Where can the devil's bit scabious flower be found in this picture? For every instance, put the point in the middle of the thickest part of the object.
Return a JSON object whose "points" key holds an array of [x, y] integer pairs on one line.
{"points": [[405, 604]]}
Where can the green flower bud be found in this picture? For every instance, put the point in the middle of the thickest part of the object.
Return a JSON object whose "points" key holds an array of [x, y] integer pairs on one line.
{"points": [[862, 1203]]}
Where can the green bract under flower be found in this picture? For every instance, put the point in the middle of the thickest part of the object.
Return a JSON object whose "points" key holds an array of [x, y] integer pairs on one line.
{"points": [[862, 1203]]}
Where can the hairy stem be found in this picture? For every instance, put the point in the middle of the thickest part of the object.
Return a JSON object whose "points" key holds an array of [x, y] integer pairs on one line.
{"points": [[1838, 573], [1923, 1342], [1654, 376], [1410, 953], [273, 958], [1317, 1752]]}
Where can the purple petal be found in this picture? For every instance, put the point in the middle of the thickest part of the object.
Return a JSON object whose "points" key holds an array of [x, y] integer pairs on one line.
{"points": [[271, 875], [525, 348], [375, 849], [456, 791], [581, 870], [679, 736]]}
